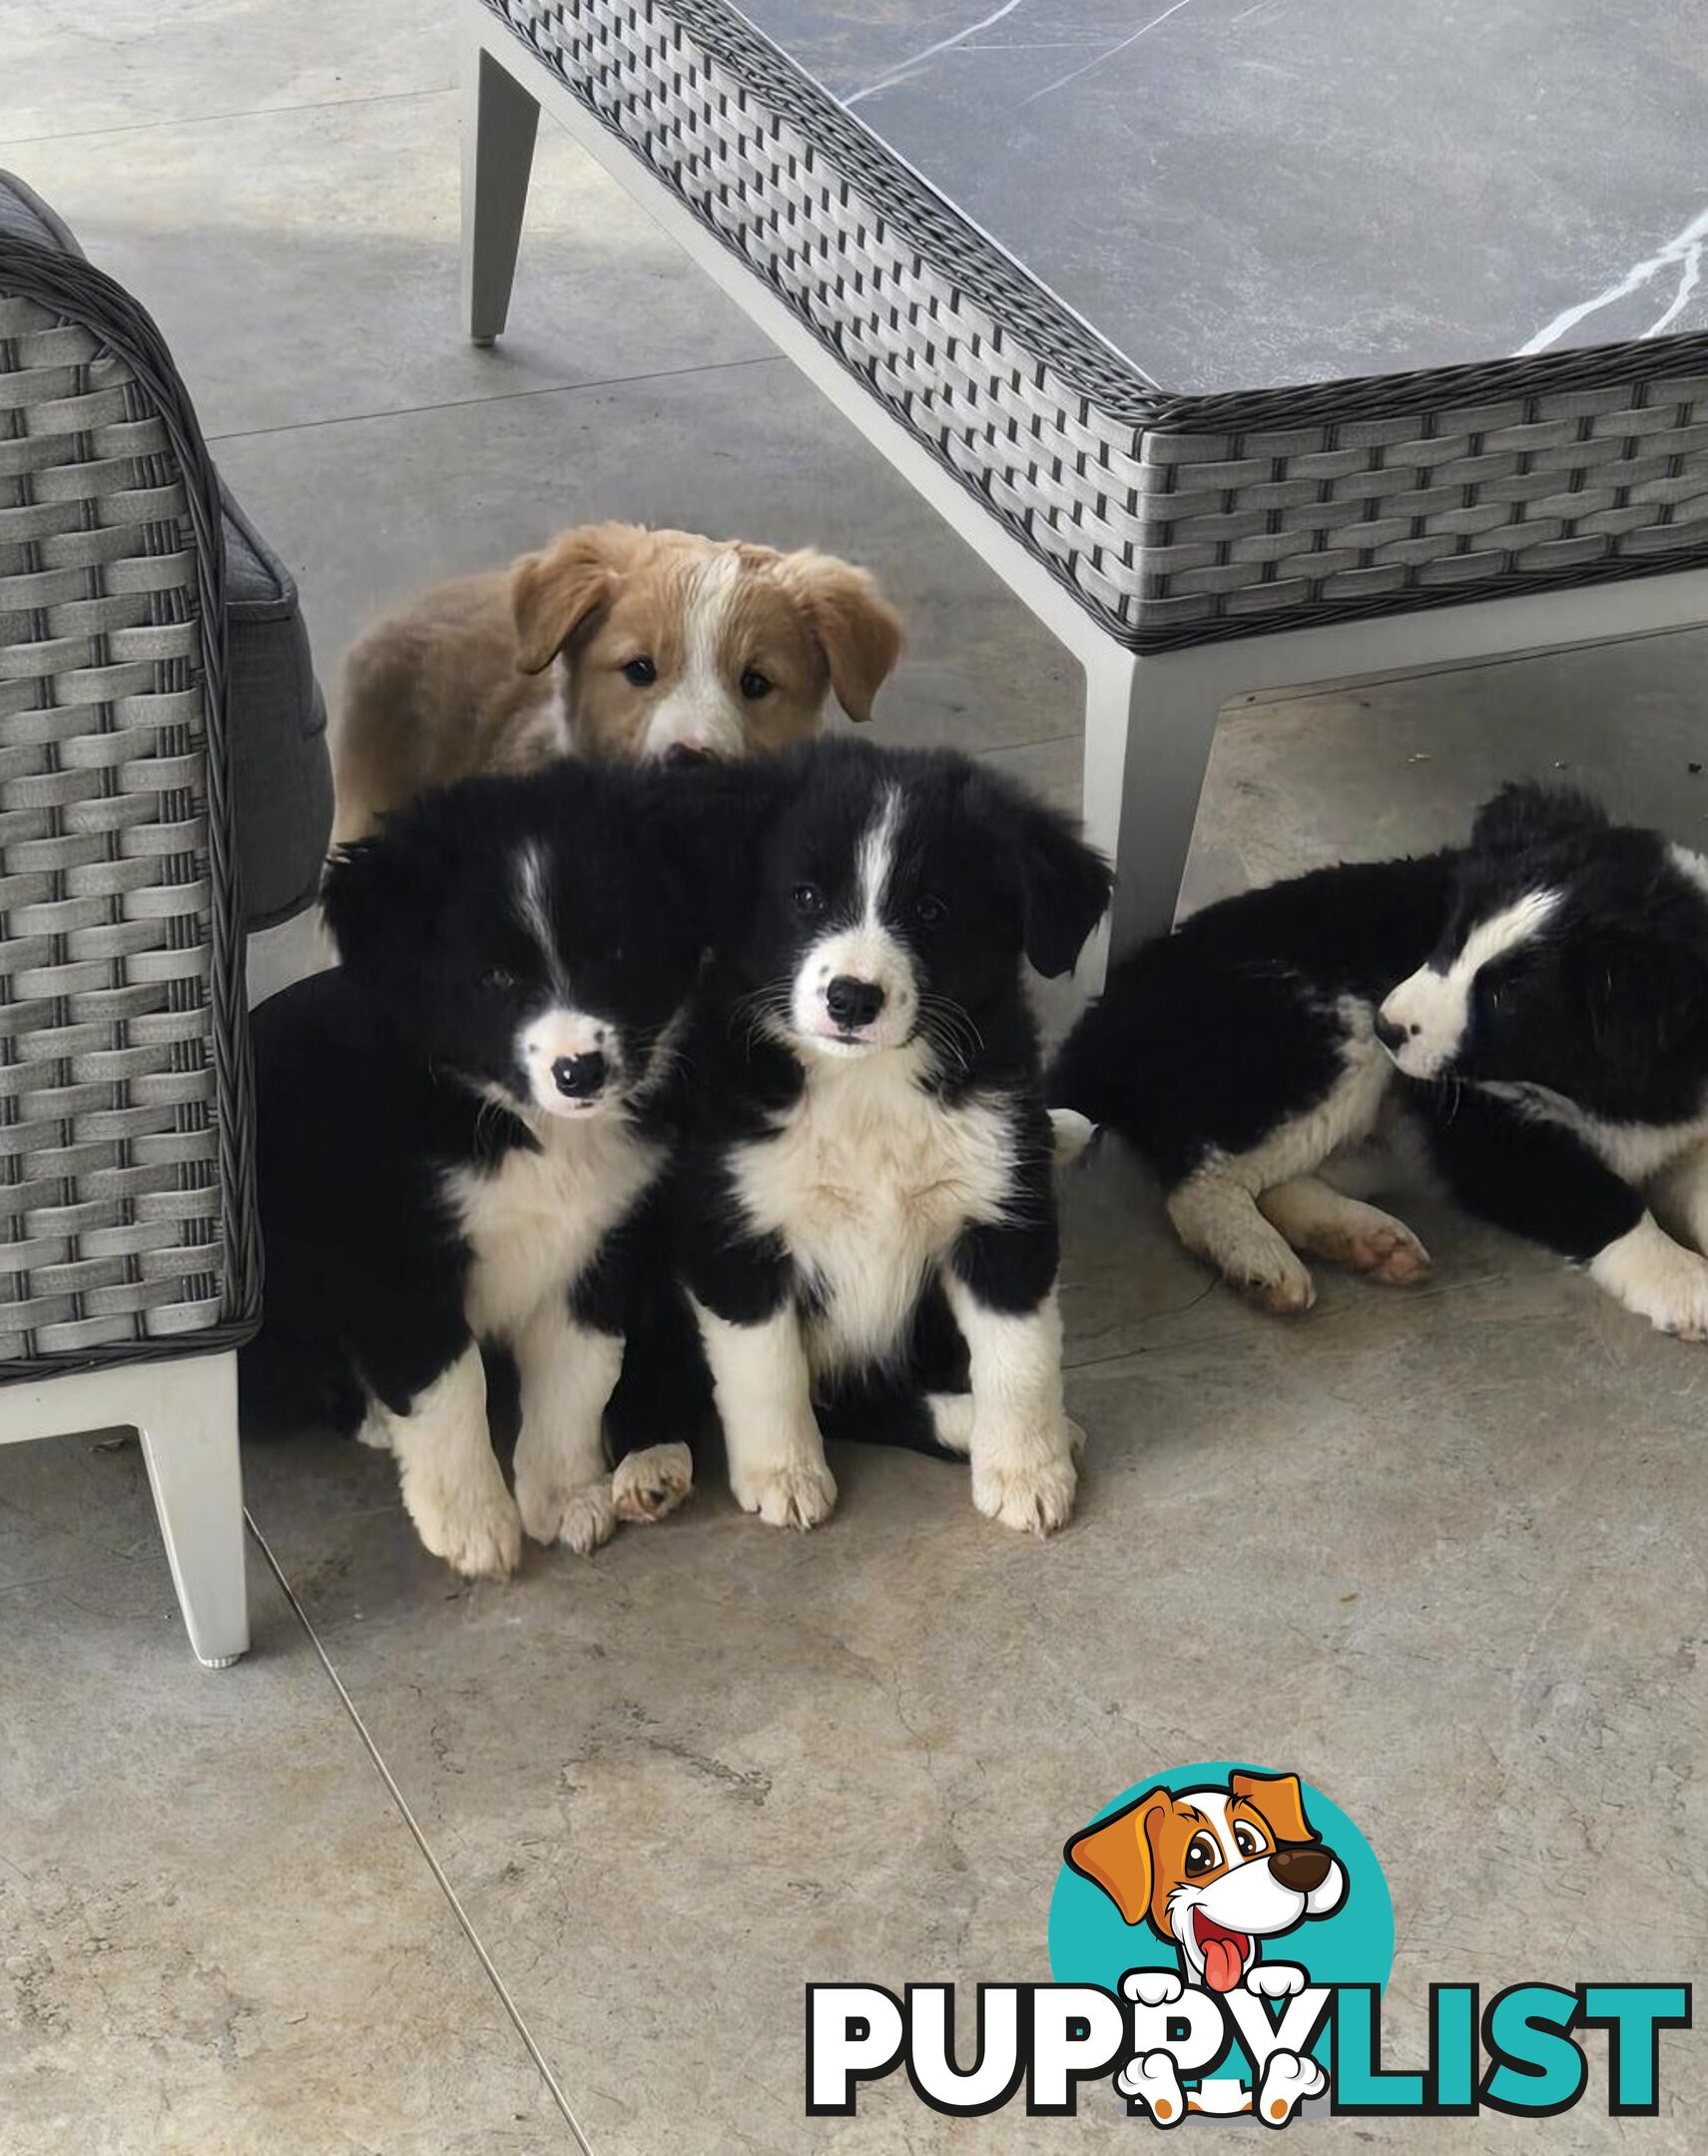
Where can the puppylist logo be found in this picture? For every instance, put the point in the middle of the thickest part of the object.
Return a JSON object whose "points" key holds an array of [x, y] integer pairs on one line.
{"points": [[1220, 1938]]}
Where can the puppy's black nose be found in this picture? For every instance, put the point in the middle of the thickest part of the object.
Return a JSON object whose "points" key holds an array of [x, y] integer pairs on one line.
{"points": [[579, 1077], [686, 752], [1393, 1037], [1301, 1869], [853, 1002]]}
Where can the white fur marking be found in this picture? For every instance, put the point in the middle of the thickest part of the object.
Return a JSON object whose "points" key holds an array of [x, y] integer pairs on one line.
{"points": [[451, 1483], [698, 711], [652, 1482], [1656, 1278], [1433, 1008], [867, 1178], [866, 951], [535, 1221], [1024, 1445], [567, 1375], [764, 1396], [1215, 1211]]}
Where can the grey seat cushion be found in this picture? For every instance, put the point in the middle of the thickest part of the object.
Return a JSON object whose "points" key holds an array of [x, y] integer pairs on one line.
{"points": [[282, 778]]}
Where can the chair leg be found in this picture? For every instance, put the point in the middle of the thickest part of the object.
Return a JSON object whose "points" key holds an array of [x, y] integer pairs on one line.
{"points": [[500, 120], [187, 1417], [1149, 726]]}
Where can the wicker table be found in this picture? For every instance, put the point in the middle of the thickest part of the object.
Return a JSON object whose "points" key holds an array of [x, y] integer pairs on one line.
{"points": [[1252, 345]]}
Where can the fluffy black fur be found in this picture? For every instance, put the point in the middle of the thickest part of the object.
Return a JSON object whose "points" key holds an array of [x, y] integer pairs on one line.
{"points": [[1579, 1043], [977, 878], [393, 1085]]}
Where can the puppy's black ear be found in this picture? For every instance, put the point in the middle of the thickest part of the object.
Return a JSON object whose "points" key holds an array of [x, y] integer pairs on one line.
{"points": [[1064, 884], [1526, 814], [381, 898]]}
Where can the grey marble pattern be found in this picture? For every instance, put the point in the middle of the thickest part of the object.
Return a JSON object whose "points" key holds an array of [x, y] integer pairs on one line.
{"points": [[1442, 1551], [1245, 194]]}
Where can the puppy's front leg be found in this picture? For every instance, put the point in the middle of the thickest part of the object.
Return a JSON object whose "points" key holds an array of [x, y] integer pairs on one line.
{"points": [[1000, 1282], [452, 1486], [764, 1392], [568, 1371]]}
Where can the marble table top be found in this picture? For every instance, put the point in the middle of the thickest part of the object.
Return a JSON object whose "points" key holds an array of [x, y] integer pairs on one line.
{"points": [[1251, 194]]}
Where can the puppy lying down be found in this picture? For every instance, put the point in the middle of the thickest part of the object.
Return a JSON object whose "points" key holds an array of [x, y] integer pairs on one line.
{"points": [[1525, 1015]]}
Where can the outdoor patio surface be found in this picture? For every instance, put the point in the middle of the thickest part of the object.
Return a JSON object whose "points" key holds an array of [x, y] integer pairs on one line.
{"points": [[440, 1869]]}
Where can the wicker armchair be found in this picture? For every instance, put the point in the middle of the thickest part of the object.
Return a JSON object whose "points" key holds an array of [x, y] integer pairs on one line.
{"points": [[128, 1252]]}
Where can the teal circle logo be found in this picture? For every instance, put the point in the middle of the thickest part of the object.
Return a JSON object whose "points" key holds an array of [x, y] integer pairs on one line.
{"points": [[1213, 1869]]}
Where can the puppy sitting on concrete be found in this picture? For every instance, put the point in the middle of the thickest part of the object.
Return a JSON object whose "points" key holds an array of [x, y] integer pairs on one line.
{"points": [[614, 642]]}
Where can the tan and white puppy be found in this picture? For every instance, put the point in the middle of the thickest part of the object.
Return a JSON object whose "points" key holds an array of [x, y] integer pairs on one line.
{"points": [[614, 641], [1215, 1872]]}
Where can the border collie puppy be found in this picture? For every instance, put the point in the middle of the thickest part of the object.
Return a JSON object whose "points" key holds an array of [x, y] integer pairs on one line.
{"points": [[869, 1157], [1533, 1007], [459, 1131]]}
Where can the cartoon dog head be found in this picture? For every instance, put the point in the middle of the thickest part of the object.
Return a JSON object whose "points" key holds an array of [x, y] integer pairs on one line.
{"points": [[1214, 1871]]}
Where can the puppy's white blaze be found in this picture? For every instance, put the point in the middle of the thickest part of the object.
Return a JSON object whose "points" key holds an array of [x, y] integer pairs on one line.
{"points": [[699, 711], [866, 951], [534, 908], [877, 858], [1433, 1007]]}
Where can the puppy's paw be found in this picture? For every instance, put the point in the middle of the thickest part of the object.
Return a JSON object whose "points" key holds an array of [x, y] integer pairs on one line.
{"points": [[1657, 1279], [1388, 1253], [1274, 1979], [951, 1421], [1154, 2082], [649, 1484], [1032, 1496], [477, 1531], [1283, 1287], [1288, 2079], [1152, 1987], [1070, 1135], [790, 1493], [579, 1514]]}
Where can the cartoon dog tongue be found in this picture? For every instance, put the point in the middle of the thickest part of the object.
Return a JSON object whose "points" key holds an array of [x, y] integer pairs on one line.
{"points": [[1224, 1955]]}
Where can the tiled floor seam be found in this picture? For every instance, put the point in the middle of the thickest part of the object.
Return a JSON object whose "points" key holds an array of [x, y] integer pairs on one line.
{"points": [[421, 1842], [499, 396], [257, 112]]}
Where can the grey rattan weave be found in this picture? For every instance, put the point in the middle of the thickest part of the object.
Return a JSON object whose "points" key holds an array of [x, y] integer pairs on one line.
{"points": [[1173, 519], [127, 1226]]}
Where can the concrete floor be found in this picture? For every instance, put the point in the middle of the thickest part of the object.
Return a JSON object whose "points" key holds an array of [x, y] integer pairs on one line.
{"points": [[1442, 1552]]}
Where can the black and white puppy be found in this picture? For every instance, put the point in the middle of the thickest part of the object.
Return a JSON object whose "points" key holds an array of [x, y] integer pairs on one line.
{"points": [[1533, 1007], [460, 1128], [1561, 1023], [869, 1142]]}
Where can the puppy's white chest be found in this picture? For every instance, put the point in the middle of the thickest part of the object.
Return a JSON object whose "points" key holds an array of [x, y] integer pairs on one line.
{"points": [[535, 1221], [868, 1182]]}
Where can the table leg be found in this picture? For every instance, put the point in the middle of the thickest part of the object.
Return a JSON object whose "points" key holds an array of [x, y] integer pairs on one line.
{"points": [[499, 119]]}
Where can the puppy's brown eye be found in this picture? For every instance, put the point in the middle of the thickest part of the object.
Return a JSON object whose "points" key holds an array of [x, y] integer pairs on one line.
{"points": [[1203, 1854], [1248, 1841], [754, 684], [641, 672], [928, 910], [808, 897]]}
